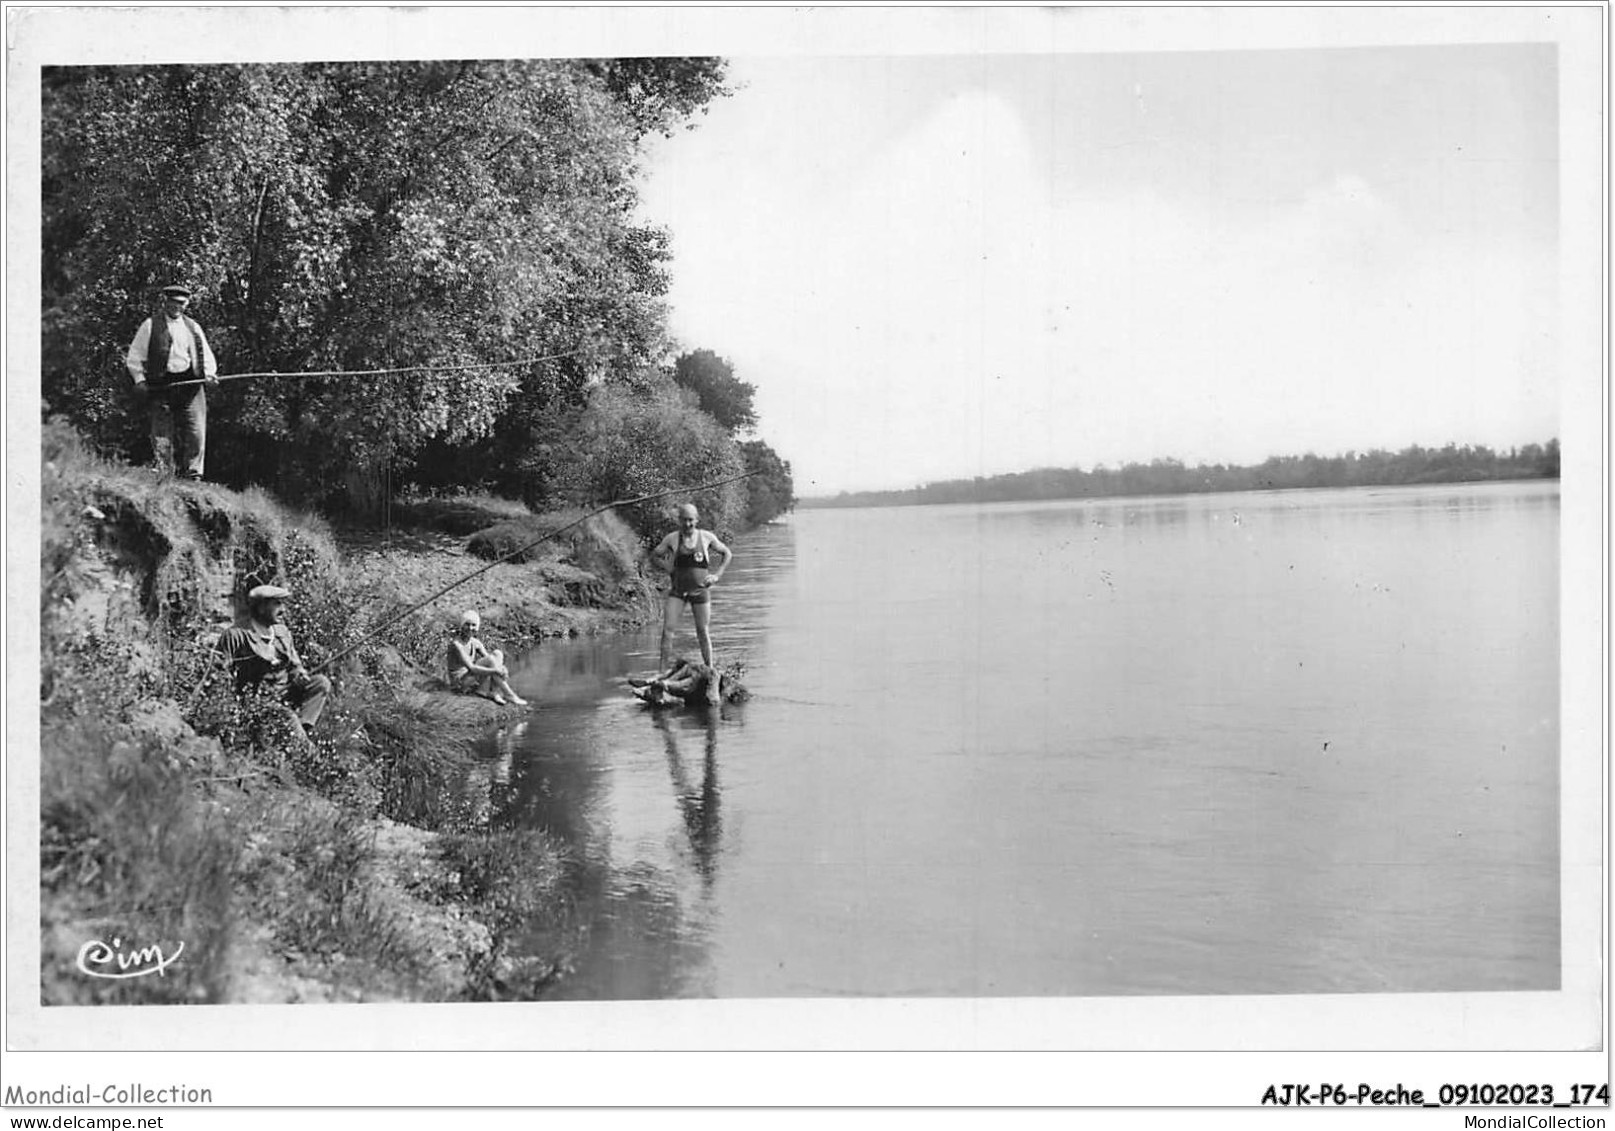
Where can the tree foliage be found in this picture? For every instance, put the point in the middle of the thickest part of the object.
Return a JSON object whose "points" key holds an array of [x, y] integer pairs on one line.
{"points": [[660, 92], [722, 395], [358, 217], [770, 491], [711, 382], [646, 437]]}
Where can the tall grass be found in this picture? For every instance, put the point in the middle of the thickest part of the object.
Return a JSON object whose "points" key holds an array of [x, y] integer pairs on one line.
{"points": [[515, 881], [135, 853], [315, 865], [421, 750]]}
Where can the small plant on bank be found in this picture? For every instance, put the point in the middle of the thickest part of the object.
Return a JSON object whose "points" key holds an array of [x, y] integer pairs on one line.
{"points": [[515, 881], [418, 757], [333, 916]]}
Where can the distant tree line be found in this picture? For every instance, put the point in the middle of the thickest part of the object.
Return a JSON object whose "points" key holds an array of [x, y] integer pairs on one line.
{"points": [[380, 216], [1412, 465]]}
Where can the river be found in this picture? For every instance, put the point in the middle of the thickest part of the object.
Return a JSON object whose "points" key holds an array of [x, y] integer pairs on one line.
{"points": [[1280, 742]]}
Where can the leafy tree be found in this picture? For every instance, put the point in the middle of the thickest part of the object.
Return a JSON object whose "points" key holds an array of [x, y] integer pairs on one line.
{"points": [[641, 437], [1548, 466], [770, 491], [659, 92], [722, 395], [359, 217]]}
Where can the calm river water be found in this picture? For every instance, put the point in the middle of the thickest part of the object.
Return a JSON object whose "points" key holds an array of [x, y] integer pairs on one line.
{"points": [[1291, 742]]}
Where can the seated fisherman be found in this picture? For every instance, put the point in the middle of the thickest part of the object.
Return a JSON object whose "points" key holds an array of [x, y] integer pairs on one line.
{"points": [[260, 653], [473, 668]]}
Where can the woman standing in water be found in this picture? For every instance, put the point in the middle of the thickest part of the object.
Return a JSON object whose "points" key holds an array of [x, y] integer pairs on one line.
{"points": [[689, 554]]}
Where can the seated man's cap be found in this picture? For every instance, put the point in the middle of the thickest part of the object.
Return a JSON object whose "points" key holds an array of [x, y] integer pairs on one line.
{"points": [[471, 617], [268, 593], [179, 289]]}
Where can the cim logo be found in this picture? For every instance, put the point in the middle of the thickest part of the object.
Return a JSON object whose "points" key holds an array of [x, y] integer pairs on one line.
{"points": [[99, 960]]}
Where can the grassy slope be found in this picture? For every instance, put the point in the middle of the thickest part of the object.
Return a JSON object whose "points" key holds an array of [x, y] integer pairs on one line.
{"points": [[172, 811]]}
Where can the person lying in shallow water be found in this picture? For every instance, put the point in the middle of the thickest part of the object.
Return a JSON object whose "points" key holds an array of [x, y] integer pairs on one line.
{"points": [[474, 669], [688, 682]]}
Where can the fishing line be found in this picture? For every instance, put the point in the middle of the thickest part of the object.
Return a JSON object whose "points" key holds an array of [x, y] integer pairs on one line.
{"points": [[377, 372], [522, 549]]}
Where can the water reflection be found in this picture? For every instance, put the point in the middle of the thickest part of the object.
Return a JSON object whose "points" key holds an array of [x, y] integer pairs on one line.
{"points": [[634, 798], [703, 823], [506, 740], [1155, 811], [633, 795], [1190, 651], [485, 790], [643, 829], [1309, 505]]}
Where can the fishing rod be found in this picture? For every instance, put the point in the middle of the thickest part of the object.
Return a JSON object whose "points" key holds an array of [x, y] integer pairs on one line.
{"points": [[374, 372], [523, 549]]}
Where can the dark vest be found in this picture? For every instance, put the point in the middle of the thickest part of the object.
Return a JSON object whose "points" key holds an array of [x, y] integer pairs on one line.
{"points": [[157, 351]]}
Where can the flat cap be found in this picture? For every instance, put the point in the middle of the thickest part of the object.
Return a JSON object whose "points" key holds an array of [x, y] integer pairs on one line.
{"points": [[179, 289], [267, 593]]}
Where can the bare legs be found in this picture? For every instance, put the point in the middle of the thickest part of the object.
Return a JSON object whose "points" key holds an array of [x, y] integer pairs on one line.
{"points": [[672, 608], [496, 685], [684, 681], [703, 634]]}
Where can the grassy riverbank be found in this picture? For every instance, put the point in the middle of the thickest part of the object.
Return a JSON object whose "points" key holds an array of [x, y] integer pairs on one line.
{"points": [[173, 813]]}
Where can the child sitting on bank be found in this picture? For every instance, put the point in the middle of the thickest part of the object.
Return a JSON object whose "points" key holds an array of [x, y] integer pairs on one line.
{"points": [[473, 668]]}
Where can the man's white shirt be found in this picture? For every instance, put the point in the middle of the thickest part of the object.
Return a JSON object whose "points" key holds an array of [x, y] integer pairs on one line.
{"points": [[181, 350]]}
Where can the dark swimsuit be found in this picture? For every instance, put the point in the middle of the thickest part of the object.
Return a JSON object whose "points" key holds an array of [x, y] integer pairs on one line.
{"points": [[689, 570]]}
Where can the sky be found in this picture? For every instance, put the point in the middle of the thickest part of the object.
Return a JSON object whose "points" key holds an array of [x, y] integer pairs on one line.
{"points": [[934, 267]]}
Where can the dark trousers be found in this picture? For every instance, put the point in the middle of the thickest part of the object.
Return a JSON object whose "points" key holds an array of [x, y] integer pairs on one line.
{"points": [[179, 429], [306, 694]]}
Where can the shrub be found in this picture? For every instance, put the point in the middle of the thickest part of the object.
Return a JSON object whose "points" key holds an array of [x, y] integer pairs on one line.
{"points": [[525, 539]]}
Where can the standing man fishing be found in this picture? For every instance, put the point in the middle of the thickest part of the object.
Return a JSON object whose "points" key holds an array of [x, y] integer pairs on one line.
{"points": [[687, 554], [168, 348]]}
